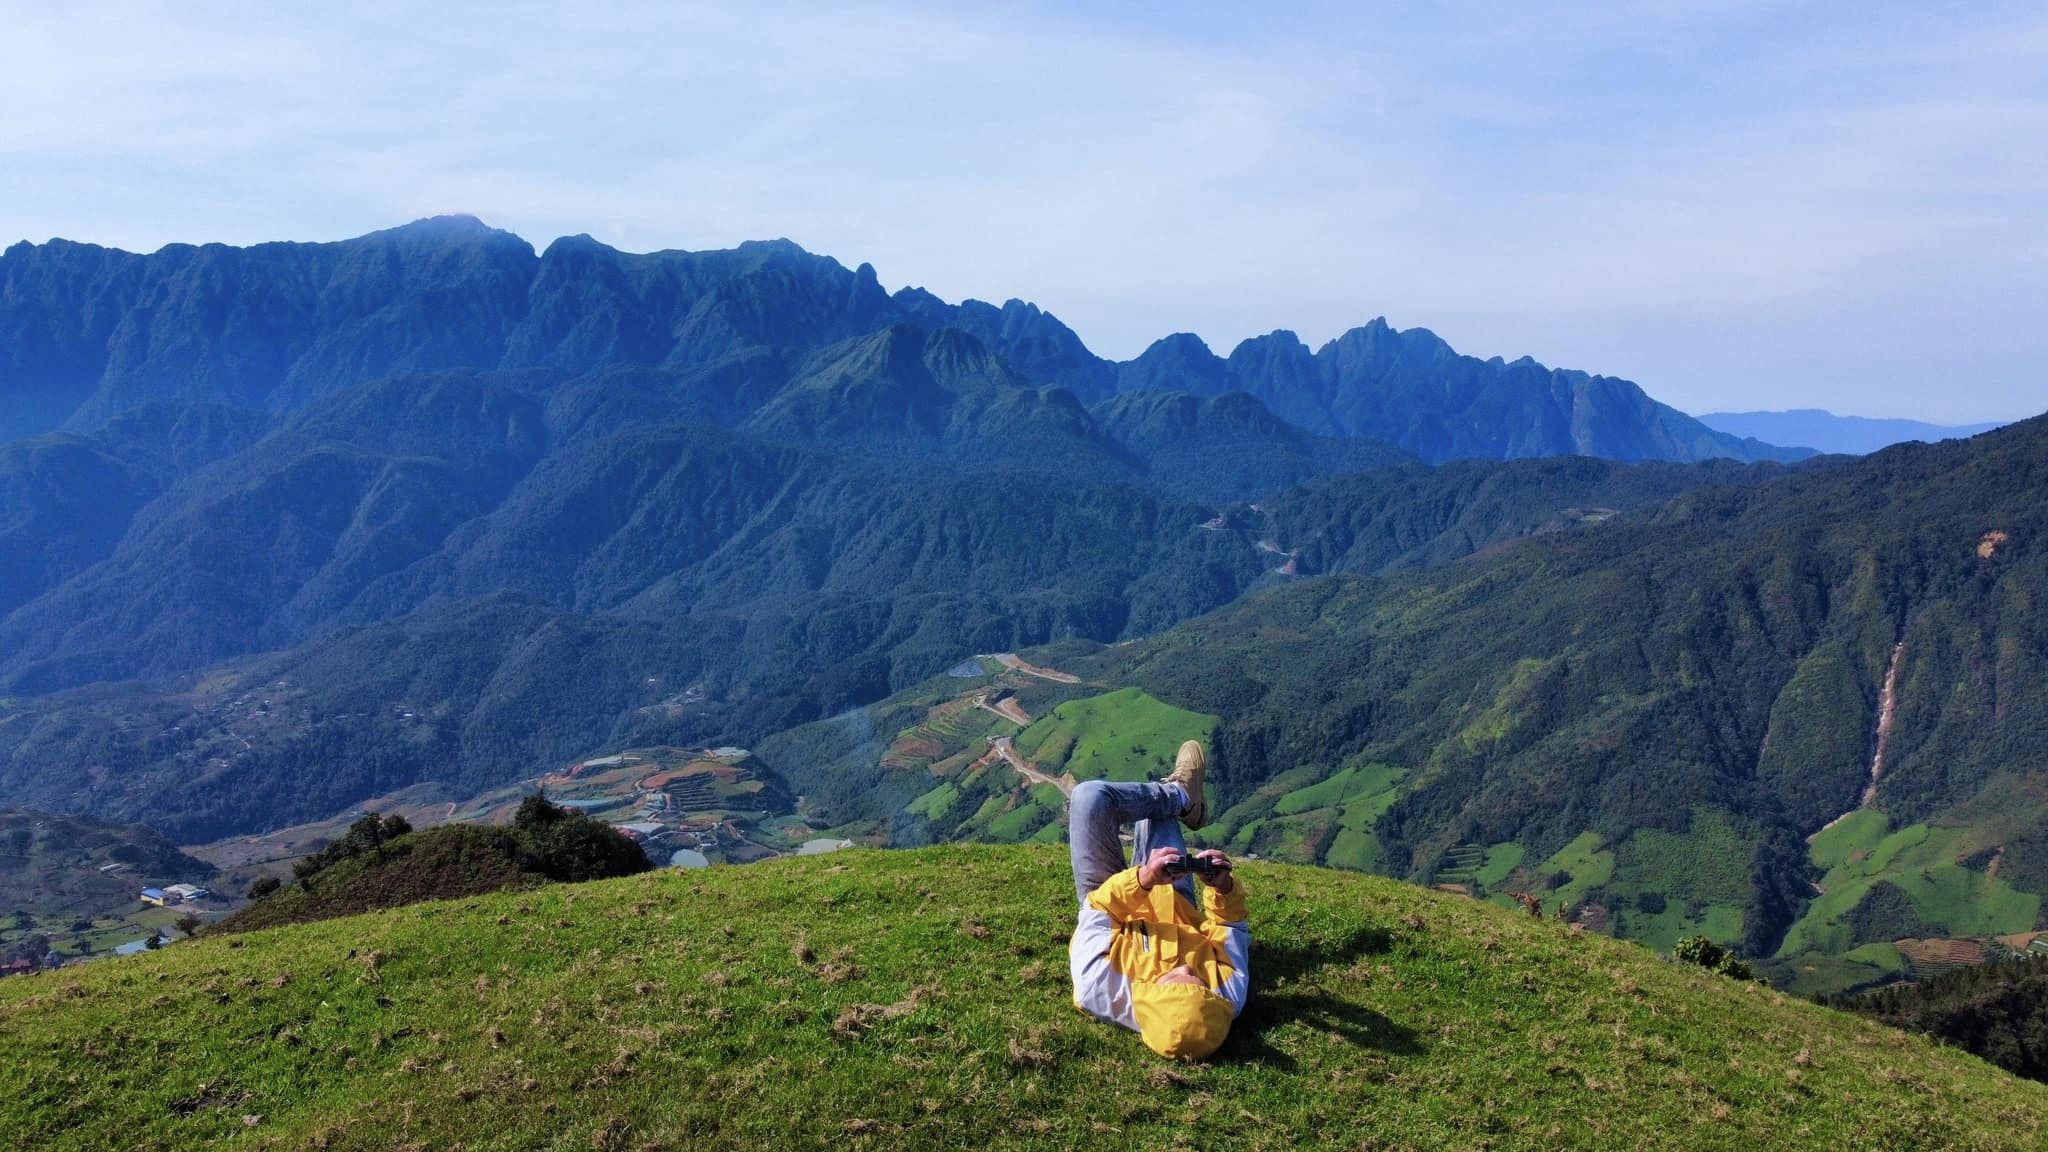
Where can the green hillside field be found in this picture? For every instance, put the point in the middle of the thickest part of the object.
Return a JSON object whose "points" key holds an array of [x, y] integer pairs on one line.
{"points": [[919, 999], [1120, 735]]}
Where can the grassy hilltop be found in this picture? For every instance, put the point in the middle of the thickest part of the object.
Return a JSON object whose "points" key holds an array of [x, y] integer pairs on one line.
{"points": [[919, 999]]}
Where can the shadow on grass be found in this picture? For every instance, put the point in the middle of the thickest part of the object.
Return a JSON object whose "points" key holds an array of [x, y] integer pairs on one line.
{"points": [[1276, 1001]]}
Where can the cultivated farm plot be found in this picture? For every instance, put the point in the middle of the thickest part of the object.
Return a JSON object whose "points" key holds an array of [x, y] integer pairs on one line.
{"points": [[1121, 735], [952, 728], [1863, 851], [1656, 887], [1821, 952]]}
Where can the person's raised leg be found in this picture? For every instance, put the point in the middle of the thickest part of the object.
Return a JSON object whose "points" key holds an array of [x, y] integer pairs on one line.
{"points": [[1097, 810]]}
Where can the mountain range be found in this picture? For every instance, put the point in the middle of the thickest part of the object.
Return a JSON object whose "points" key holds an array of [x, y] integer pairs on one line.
{"points": [[1824, 431], [87, 333], [218, 451], [283, 528]]}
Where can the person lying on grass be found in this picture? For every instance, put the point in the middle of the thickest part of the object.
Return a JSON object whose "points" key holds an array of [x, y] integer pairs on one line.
{"points": [[1140, 956]]}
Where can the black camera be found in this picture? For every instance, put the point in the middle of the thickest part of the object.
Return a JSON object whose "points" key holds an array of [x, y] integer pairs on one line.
{"points": [[1202, 866]]}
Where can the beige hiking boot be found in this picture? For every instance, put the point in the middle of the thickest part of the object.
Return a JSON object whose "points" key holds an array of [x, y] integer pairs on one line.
{"points": [[1188, 769]]}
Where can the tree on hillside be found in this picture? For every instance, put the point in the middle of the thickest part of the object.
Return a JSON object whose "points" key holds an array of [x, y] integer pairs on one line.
{"points": [[366, 837], [189, 924], [1998, 1011], [570, 846], [535, 813]]}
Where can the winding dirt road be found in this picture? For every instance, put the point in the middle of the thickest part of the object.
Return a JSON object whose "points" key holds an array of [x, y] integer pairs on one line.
{"points": [[1007, 708], [1027, 769], [1016, 663]]}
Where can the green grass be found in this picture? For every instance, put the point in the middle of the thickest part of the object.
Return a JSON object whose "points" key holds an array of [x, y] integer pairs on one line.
{"points": [[1721, 923], [1882, 956], [883, 1000], [1501, 860], [1816, 974], [1358, 796], [935, 804], [1858, 833], [1921, 859], [1044, 807], [1702, 873], [1358, 851], [1225, 828], [1585, 863], [1121, 735], [1358, 783], [1290, 838]]}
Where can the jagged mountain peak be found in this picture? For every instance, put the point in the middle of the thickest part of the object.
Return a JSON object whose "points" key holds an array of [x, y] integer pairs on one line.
{"points": [[85, 333]]}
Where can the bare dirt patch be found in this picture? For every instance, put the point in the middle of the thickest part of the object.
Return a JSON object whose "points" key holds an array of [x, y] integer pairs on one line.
{"points": [[1016, 663]]}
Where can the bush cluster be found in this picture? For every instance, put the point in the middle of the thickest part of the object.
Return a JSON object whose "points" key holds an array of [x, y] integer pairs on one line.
{"points": [[1711, 956]]}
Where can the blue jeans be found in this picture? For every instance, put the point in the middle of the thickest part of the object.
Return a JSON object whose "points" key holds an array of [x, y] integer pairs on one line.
{"points": [[1099, 808]]}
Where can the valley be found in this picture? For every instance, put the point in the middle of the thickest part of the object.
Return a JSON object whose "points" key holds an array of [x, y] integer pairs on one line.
{"points": [[411, 568], [621, 670]]}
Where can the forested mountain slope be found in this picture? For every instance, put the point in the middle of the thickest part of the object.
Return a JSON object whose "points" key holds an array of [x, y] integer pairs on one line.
{"points": [[676, 584], [1411, 389], [425, 504], [1808, 715]]}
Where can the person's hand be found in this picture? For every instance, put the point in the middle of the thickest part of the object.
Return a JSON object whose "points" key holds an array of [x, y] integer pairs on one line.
{"points": [[1152, 872], [1221, 880]]}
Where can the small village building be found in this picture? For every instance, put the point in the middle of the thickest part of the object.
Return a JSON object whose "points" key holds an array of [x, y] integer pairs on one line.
{"points": [[158, 897], [186, 892]]}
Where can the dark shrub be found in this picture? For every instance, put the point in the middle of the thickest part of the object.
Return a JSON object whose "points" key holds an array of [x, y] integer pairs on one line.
{"points": [[1711, 956], [570, 846]]}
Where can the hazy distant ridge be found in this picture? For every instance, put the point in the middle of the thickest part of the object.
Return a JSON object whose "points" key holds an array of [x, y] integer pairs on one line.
{"points": [[1824, 431]]}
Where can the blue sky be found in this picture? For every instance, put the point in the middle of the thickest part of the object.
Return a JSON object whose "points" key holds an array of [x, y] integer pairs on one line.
{"points": [[1738, 205]]}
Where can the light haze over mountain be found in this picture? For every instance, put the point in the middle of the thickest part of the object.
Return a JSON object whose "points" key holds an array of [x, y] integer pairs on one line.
{"points": [[1824, 431]]}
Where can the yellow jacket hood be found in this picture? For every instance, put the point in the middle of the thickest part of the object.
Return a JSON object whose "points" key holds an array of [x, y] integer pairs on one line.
{"points": [[1181, 1021]]}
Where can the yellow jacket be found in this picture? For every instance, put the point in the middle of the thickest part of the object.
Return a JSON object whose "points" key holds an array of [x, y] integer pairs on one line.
{"points": [[1128, 937]]}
